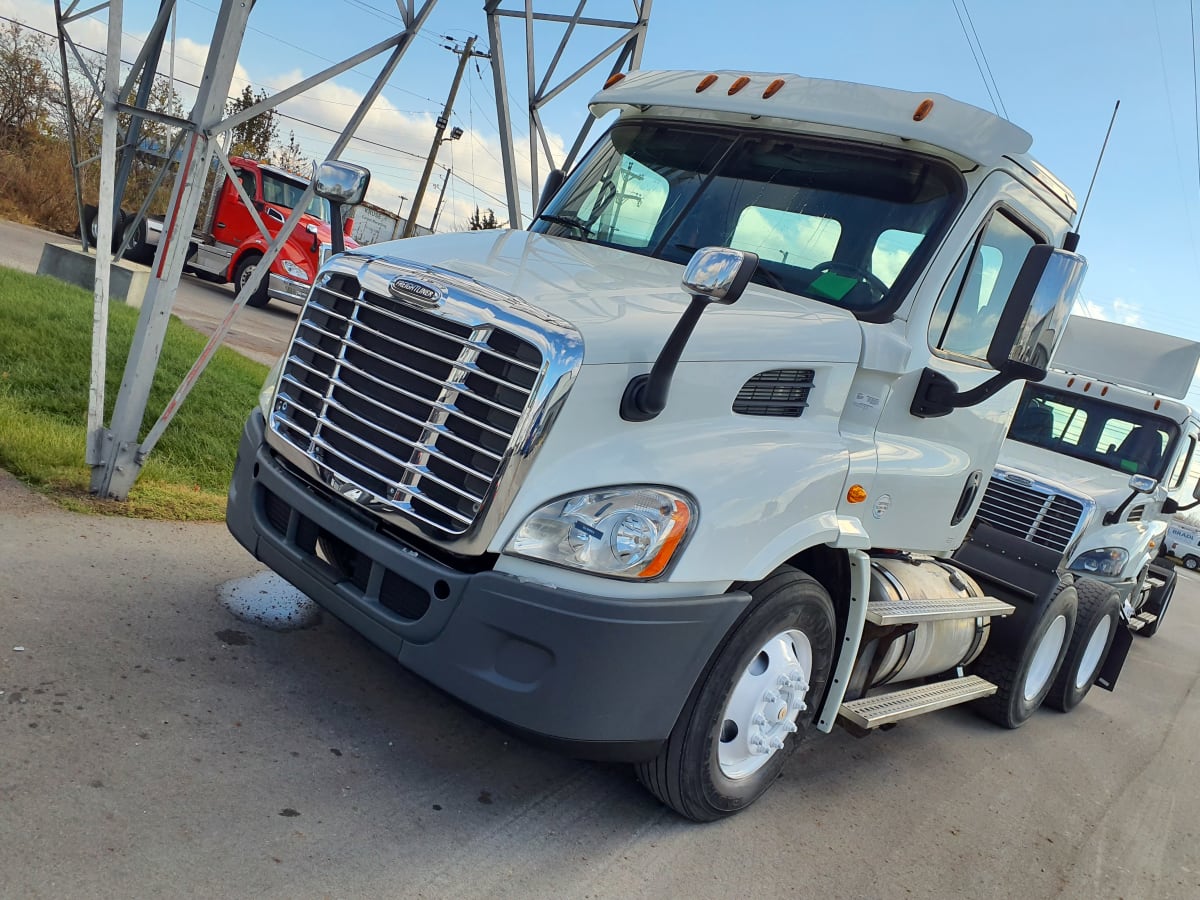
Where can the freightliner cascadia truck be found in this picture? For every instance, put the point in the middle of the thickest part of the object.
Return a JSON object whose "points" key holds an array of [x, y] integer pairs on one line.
{"points": [[1096, 462], [686, 528]]}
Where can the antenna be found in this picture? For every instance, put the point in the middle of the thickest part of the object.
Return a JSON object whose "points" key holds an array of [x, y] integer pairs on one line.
{"points": [[1071, 241]]}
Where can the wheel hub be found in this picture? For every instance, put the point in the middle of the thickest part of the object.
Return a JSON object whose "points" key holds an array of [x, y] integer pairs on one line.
{"points": [[765, 703]]}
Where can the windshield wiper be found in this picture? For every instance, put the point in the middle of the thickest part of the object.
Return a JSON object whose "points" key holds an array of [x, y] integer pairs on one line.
{"points": [[584, 228]]}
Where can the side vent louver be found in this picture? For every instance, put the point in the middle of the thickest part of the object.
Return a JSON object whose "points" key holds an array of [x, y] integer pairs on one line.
{"points": [[779, 392]]}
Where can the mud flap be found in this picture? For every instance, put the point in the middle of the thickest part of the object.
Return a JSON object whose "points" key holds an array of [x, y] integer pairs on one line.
{"points": [[1115, 661]]}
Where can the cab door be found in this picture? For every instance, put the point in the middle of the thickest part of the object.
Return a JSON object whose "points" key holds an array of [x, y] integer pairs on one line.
{"points": [[931, 472], [233, 223]]}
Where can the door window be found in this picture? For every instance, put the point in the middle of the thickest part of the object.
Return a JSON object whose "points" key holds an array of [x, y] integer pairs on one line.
{"points": [[970, 306]]}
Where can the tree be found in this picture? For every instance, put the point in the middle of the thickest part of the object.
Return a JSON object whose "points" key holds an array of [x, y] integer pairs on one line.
{"points": [[291, 158], [254, 137], [26, 86], [484, 222]]}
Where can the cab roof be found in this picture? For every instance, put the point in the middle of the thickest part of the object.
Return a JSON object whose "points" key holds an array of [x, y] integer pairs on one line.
{"points": [[933, 119]]}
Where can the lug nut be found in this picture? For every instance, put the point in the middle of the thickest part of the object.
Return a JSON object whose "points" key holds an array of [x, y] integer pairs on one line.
{"points": [[776, 743], [770, 697], [790, 727], [759, 719]]}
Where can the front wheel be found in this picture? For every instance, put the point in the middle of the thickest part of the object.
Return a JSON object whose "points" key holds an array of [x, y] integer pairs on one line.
{"points": [[1096, 625], [1024, 674], [1191, 562], [245, 269], [753, 704]]}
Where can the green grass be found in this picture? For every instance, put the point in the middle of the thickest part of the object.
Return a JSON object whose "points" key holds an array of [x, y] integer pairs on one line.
{"points": [[45, 362]]}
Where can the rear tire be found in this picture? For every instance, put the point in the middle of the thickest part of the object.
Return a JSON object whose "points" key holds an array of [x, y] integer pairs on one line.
{"points": [[1191, 562], [1024, 675], [1099, 617], [91, 227], [764, 683], [245, 268]]}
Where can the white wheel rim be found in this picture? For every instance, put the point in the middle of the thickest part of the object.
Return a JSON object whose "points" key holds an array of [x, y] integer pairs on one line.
{"points": [[1045, 657], [246, 273], [766, 701], [1093, 653]]}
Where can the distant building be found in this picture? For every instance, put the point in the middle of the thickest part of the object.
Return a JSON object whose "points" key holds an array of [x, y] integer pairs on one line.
{"points": [[373, 224]]}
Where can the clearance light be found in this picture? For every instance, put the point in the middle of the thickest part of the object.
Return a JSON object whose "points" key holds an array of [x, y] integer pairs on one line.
{"points": [[856, 494], [773, 88], [923, 109], [1087, 387], [613, 79], [1157, 404], [705, 83], [1071, 382], [738, 84], [1104, 390]]}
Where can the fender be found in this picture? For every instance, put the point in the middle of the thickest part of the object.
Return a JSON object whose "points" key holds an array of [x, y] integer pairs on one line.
{"points": [[1134, 537]]}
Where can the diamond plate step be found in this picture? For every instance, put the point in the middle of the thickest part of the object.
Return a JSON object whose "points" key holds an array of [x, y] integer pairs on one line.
{"points": [[871, 712], [1141, 620], [896, 612]]}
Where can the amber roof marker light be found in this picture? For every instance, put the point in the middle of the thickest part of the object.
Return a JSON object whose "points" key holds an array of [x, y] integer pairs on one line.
{"points": [[705, 83], [773, 88], [613, 79], [924, 108], [738, 83]]}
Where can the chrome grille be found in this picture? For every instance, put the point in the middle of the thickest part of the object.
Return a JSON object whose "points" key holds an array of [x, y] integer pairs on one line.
{"points": [[413, 410], [1047, 519]]}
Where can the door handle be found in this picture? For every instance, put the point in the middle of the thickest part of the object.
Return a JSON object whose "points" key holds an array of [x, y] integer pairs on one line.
{"points": [[967, 497]]}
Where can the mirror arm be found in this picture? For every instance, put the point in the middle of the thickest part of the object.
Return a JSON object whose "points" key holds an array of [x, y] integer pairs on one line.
{"points": [[337, 238], [1113, 516], [1191, 505], [937, 395], [646, 395]]}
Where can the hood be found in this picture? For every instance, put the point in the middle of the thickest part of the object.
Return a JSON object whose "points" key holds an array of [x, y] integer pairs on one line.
{"points": [[1107, 487], [625, 305]]}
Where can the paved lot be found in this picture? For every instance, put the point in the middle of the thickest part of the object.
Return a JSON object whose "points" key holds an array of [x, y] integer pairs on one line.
{"points": [[260, 334], [153, 745]]}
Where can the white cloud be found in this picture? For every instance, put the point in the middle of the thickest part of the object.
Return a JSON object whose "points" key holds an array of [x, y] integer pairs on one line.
{"points": [[1118, 309]]}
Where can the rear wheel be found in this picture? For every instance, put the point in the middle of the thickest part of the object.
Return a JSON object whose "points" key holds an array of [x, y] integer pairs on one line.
{"points": [[91, 226], [245, 269], [752, 705], [1023, 675], [1099, 616], [1191, 562]]}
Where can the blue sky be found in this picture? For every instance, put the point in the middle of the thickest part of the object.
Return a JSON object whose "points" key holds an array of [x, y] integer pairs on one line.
{"points": [[1058, 65]]}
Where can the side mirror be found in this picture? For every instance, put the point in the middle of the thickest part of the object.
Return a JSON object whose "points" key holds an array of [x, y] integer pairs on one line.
{"points": [[1036, 312], [714, 275], [554, 180], [1026, 336], [341, 183], [1142, 484]]}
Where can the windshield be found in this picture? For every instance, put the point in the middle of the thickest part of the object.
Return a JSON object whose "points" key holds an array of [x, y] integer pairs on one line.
{"points": [[281, 192], [1116, 437], [833, 221]]}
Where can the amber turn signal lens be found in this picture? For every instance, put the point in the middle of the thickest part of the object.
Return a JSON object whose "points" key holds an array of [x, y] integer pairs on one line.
{"points": [[856, 494], [738, 84], [773, 88]]}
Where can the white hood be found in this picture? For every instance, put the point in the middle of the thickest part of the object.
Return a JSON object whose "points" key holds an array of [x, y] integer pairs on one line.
{"points": [[625, 305]]}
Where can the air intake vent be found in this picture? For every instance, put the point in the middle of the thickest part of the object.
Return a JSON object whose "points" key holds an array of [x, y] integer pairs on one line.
{"points": [[779, 392], [1135, 514]]}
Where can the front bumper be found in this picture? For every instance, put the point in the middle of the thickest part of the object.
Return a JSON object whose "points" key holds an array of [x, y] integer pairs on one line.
{"points": [[280, 287], [605, 677]]}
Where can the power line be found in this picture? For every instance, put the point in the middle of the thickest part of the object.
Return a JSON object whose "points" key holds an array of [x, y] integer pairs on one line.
{"points": [[983, 56], [978, 65]]}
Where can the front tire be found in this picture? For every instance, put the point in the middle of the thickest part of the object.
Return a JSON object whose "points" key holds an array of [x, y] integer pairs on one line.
{"points": [[1099, 617], [1191, 562], [1024, 675], [753, 704], [245, 268]]}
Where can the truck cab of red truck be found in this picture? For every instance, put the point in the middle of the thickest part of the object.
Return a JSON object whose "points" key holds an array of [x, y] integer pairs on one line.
{"points": [[228, 244]]}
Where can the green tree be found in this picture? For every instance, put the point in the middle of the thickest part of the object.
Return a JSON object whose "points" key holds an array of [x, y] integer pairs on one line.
{"points": [[484, 222], [26, 86], [254, 137]]}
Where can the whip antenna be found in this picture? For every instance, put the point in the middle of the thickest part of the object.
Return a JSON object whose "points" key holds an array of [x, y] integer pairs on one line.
{"points": [[1072, 239]]}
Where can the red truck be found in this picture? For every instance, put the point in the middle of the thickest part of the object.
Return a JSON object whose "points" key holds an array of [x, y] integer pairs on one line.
{"points": [[227, 245]]}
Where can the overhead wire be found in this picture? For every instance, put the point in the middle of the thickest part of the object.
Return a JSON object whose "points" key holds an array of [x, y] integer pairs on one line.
{"points": [[974, 55], [967, 12]]}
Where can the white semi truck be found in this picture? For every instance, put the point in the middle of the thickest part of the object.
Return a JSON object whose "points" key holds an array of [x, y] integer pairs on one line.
{"points": [[1096, 462], [687, 529]]}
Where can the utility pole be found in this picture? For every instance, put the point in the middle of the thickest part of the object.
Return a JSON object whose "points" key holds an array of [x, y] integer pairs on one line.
{"points": [[443, 120], [437, 210], [399, 218]]}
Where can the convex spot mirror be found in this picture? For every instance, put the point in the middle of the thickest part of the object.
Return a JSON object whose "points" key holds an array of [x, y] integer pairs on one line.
{"points": [[1142, 484], [342, 183], [1036, 312], [719, 274]]}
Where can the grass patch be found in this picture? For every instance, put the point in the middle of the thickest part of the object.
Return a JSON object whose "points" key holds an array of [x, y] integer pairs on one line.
{"points": [[45, 365]]}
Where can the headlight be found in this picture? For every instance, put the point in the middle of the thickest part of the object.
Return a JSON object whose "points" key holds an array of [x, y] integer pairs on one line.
{"points": [[295, 271], [266, 396], [627, 532], [1107, 561]]}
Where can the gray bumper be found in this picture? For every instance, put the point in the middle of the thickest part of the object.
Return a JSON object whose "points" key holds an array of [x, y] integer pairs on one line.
{"points": [[605, 677], [281, 288]]}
